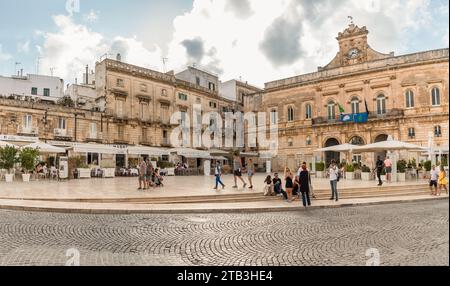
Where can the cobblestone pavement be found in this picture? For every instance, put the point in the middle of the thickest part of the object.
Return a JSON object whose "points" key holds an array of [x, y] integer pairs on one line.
{"points": [[404, 234]]}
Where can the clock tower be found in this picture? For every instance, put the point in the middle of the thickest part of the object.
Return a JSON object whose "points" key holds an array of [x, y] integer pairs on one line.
{"points": [[354, 48], [353, 45]]}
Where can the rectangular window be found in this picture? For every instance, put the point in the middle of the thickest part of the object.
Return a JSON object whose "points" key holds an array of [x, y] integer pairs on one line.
{"points": [[92, 158], [273, 116], [212, 104], [120, 132], [212, 86], [143, 106], [182, 96], [93, 130], [62, 123], [411, 133], [46, 91], [27, 121], [119, 108], [197, 80], [34, 91]]}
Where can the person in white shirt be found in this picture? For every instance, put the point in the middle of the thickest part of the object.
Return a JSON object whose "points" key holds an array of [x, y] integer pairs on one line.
{"points": [[434, 181], [333, 172]]}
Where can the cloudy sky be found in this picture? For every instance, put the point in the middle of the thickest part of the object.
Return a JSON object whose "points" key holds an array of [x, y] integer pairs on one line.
{"points": [[257, 41]]}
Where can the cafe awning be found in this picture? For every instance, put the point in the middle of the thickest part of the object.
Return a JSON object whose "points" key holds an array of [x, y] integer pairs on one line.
{"points": [[97, 148], [45, 148], [191, 153], [338, 148], [150, 151]]}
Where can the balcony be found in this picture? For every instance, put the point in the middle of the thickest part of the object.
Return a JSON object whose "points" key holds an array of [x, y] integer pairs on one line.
{"points": [[28, 131], [388, 114], [145, 141], [61, 134], [95, 137], [166, 142]]}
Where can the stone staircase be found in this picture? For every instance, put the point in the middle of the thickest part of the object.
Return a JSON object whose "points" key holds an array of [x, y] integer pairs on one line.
{"points": [[255, 196]]}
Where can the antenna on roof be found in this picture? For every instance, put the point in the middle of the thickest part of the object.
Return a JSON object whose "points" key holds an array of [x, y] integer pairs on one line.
{"points": [[164, 60]]}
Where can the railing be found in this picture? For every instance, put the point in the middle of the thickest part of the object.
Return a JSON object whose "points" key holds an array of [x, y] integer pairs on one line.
{"points": [[166, 142], [94, 136], [388, 113], [144, 140], [58, 132], [28, 130]]}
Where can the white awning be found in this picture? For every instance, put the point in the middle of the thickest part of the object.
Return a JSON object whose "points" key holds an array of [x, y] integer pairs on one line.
{"points": [[97, 148], [390, 145], [6, 144], [219, 158], [45, 148], [191, 153], [248, 154], [150, 151]]}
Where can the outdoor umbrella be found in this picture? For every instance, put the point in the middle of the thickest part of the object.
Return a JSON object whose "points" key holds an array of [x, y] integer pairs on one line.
{"points": [[46, 148], [338, 148], [389, 145]]}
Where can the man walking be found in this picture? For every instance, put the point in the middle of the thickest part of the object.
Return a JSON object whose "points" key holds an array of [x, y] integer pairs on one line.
{"points": [[434, 181], [142, 174], [218, 174], [379, 168], [237, 170], [333, 172], [388, 166]]}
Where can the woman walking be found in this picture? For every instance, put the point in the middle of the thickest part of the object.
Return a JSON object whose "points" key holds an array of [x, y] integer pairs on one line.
{"points": [[218, 174], [289, 178], [442, 181], [250, 172], [304, 186]]}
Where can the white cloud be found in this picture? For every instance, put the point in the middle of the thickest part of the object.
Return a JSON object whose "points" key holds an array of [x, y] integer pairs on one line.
{"points": [[74, 46], [23, 47], [92, 16], [237, 41], [3, 55]]}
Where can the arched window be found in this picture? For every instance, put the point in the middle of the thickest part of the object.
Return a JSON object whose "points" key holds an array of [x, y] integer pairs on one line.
{"points": [[355, 105], [435, 96], [409, 96], [290, 113], [308, 111], [331, 110], [381, 104], [356, 140]]}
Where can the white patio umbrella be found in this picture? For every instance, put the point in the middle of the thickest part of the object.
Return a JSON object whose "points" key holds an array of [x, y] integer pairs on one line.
{"points": [[389, 145], [46, 148], [338, 148], [150, 151], [6, 144]]}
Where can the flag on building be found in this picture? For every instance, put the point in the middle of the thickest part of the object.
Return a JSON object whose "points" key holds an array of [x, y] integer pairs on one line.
{"points": [[341, 109], [367, 108]]}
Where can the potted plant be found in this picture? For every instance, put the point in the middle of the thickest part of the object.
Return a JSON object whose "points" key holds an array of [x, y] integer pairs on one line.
{"points": [[28, 158], [108, 168], [365, 173], [350, 169], [320, 168], [8, 157], [401, 170], [427, 167]]}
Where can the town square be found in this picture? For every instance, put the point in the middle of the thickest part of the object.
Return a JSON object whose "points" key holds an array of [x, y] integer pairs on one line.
{"points": [[224, 133]]}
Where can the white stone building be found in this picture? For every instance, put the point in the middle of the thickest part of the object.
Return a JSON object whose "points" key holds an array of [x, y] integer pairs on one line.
{"points": [[32, 87]]}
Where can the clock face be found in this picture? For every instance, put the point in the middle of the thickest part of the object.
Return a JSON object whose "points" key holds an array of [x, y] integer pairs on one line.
{"points": [[353, 53]]}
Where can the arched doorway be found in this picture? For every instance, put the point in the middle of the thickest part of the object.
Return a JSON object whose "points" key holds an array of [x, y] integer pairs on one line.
{"points": [[329, 156], [381, 138]]}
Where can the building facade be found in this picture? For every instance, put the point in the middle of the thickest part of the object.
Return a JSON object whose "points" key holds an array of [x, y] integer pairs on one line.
{"points": [[406, 97], [32, 87]]}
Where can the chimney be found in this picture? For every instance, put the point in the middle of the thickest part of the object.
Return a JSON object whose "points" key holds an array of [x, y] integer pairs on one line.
{"points": [[87, 74], [119, 57]]}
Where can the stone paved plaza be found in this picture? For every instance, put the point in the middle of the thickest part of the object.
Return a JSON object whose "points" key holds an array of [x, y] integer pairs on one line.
{"points": [[404, 234]]}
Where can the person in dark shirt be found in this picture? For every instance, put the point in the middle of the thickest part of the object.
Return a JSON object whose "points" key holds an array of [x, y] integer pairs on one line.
{"points": [[379, 168], [277, 187]]}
